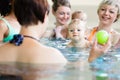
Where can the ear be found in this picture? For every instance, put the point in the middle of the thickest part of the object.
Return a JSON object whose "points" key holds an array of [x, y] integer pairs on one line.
{"points": [[46, 17]]}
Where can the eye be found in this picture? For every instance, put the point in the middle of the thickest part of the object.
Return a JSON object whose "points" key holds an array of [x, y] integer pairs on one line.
{"points": [[71, 30], [102, 9], [68, 13], [78, 30], [61, 13], [112, 12]]}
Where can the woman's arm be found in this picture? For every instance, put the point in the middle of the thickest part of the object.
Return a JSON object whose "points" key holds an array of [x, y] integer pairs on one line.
{"points": [[97, 50]]}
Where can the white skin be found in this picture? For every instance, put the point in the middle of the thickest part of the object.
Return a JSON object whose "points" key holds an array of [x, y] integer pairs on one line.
{"points": [[82, 16], [107, 15], [4, 31], [62, 16], [76, 34], [31, 51]]}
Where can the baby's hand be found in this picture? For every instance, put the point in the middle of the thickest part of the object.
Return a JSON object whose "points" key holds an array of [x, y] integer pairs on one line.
{"points": [[58, 29], [58, 32]]}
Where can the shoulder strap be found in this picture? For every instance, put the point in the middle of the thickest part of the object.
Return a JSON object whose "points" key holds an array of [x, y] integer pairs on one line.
{"points": [[92, 34], [11, 31]]}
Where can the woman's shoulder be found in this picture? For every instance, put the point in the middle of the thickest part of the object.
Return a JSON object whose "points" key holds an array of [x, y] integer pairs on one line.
{"points": [[2, 23], [115, 32], [50, 54]]}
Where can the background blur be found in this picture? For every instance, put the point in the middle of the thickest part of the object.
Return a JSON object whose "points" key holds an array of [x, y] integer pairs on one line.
{"points": [[88, 6]]}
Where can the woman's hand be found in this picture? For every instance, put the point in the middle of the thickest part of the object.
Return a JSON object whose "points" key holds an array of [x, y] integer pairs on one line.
{"points": [[97, 50]]}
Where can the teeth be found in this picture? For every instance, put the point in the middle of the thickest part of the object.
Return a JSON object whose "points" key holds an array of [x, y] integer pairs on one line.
{"points": [[105, 18]]}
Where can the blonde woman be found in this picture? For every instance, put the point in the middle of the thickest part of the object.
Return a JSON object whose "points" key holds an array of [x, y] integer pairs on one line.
{"points": [[108, 13]]}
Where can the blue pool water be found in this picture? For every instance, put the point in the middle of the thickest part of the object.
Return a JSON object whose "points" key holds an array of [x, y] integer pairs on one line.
{"points": [[106, 67]]}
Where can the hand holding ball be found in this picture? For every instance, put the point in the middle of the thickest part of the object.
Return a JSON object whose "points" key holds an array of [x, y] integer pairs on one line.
{"points": [[102, 36]]}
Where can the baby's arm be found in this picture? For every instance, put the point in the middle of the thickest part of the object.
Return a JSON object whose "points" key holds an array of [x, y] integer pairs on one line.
{"points": [[58, 32]]}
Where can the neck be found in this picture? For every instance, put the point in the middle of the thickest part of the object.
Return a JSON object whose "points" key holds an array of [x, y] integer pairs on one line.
{"points": [[29, 31], [11, 17], [105, 27], [27, 36], [58, 24]]}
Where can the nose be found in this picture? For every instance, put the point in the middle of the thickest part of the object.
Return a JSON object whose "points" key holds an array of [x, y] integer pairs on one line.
{"points": [[66, 16], [75, 31], [106, 12]]}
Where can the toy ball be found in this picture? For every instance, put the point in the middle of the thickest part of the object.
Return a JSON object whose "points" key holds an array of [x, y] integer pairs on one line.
{"points": [[102, 36]]}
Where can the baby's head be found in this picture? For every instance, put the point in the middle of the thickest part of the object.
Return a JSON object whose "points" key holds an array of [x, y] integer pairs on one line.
{"points": [[79, 15], [76, 29]]}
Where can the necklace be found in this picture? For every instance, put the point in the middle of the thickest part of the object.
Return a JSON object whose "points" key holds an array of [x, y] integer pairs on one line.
{"points": [[31, 37]]}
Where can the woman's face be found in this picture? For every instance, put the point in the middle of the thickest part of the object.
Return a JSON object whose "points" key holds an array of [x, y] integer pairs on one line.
{"points": [[107, 14], [62, 15]]}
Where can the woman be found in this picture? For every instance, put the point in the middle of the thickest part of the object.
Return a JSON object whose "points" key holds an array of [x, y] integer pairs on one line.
{"points": [[8, 24], [108, 12], [24, 51], [61, 9]]}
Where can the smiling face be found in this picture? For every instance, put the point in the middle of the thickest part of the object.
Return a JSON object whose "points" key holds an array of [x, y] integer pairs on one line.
{"points": [[62, 15], [76, 30], [107, 14]]}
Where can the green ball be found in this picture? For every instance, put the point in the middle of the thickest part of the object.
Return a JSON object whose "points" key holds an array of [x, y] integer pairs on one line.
{"points": [[102, 36], [101, 76]]}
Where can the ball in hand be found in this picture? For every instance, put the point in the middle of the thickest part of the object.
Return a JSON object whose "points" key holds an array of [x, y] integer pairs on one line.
{"points": [[102, 36]]}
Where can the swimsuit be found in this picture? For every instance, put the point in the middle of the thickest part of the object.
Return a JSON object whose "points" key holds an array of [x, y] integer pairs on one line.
{"points": [[92, 34], [90, 37], [11, 31]]}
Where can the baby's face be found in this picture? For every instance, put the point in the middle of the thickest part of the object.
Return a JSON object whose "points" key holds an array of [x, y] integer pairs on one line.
{"points": [[82, 17], [76, 32]]}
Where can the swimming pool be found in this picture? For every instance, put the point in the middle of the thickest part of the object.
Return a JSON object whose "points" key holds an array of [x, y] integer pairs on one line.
{"points": [[105, 67]]}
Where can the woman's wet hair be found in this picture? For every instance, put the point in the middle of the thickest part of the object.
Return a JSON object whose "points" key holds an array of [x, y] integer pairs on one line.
{"points": [[5, 7], [115, 3], [58, 3], [29, 12]]}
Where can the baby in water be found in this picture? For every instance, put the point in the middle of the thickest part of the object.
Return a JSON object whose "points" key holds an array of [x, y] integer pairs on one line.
{"points": [[79, 15], [76, 33]]}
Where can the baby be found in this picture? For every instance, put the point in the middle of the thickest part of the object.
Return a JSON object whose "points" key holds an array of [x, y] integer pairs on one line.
{"points": [[76, 33], [79, 15], [83, 17]]}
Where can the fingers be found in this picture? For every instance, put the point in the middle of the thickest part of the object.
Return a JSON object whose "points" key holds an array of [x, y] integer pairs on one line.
{"points": [[95, 42]]}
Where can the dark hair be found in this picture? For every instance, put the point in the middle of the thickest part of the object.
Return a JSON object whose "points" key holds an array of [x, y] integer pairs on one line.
{"points": [[58, 3], [30, 11], [5, 7]]}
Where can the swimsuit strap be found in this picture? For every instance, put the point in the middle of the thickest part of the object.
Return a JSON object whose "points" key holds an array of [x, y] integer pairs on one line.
{"points": [[92, 34], [90, 37], [11, 30], [31, 37]]}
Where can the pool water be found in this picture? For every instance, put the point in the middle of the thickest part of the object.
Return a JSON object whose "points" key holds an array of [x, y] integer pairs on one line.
{"points": [[106, 67]]}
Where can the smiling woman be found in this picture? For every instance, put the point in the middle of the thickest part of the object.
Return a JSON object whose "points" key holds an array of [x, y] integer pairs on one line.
{"points": [[108, 13], [61, 10], [87, 6]]}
